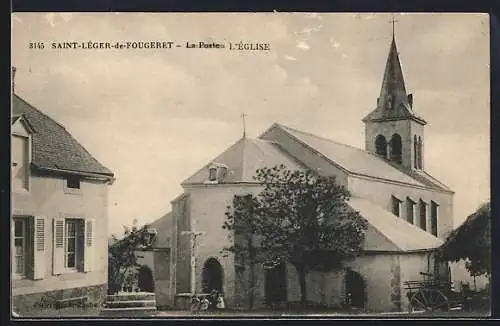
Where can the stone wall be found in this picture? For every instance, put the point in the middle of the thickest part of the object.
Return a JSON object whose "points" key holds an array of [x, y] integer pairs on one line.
{"points": [[33, 303]]}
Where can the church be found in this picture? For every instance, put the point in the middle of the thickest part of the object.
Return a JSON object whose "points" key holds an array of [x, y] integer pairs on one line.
{"points": [[409, 212]]}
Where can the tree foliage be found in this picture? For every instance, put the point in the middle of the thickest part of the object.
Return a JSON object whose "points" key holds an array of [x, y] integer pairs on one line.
{"points": [[472, 242], [301, 218], [122, 257], [242, 220]]}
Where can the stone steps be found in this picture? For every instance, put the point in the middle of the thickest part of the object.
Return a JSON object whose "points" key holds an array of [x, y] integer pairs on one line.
{"points": [[130, 305]]}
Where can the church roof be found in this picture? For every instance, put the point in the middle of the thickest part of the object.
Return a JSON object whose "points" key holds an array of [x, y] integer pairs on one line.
{"points": [[399, 234], [164, 226], [53, 146], [393, 89], [357, 161], [243, 158]]}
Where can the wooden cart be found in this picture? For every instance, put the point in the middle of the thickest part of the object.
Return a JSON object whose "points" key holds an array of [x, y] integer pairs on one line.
{"points": [[432, 294]]}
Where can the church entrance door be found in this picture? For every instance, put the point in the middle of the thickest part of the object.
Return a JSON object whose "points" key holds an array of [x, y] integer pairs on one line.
{"points": [[212, 276], [275, 284], [354, 289]]}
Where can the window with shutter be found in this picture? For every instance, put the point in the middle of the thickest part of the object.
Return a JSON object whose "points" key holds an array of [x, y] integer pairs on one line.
{"points": [[39, 258], [58, 247], [89, 256], [19, 255]]}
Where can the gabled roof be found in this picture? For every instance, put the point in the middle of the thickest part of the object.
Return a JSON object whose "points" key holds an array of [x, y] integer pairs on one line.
{"points": [[399, 234], [53, 146], [393, 89], [357, 161], [243, 158]]}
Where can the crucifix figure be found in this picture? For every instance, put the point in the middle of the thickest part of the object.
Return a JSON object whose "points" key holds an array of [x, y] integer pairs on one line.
{"points": [[393, 21], [193, 236], [243, 115]]}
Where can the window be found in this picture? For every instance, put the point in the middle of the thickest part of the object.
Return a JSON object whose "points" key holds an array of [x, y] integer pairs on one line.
{"points": [[73, 182], [74, 242], [72, 245], [396, 148], [410, 208], [381, 146], [389, 102], [423, 215], [396, 206], [212, 174], [415, 152], [20, 162], [434, 218], [419, 152], [20, 246]]}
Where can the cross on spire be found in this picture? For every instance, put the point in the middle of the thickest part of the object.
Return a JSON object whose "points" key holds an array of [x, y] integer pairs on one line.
{"points": [[393, 21], [243, 115]]}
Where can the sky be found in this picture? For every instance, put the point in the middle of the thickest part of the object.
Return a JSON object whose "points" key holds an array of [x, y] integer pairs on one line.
{"points": [[156, 116]]}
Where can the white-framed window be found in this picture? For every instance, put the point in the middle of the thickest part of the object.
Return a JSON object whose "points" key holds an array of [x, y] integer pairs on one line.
{"points": [[73, 248], [20, 254], [71, 244]]}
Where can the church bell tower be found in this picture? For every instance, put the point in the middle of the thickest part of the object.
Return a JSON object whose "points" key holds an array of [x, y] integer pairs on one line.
{"points": [[393, 130]]}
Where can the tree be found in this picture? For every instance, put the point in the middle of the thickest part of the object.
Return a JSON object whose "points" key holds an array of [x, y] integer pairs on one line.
{"points": [[122, 256], [472, 242], [304, 219], [242, 221]]}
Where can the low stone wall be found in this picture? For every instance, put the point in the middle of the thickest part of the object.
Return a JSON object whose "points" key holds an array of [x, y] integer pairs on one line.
{"points": [[44, 301]]}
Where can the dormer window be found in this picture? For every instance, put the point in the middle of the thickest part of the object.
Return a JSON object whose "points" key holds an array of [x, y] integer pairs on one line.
{"points": [[20, 154], [212, 173], [388, 103], [216, 173]]}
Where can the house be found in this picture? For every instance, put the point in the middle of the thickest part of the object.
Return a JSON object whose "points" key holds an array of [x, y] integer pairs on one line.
{"points": [[59, 215], [409, 212]]}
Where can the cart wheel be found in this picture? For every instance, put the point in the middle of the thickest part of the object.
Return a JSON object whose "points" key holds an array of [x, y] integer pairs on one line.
{"points": [[429, 300]]}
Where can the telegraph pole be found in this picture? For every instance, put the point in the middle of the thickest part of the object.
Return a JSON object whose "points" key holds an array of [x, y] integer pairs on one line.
{"points": [[193, 236]]}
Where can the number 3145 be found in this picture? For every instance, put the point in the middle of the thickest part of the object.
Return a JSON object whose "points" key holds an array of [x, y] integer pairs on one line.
{"points": [[36, 45]]}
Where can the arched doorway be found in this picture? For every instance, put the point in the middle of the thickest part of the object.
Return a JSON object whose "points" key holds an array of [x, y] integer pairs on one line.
{"points": [[354, 289], [145, 279], [275, 284], [212, 276]]}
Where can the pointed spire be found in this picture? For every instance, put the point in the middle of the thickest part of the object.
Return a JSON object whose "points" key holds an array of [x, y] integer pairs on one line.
{"points": [[393, 91]]}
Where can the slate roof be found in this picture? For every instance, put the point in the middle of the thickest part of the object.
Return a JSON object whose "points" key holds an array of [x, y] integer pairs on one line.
{"points": [[402, 235], [53, 146], [357, 161], [243, 158]]}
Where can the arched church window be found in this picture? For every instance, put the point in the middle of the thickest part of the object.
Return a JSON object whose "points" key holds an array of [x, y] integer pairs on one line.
{"points": [[415, 152], [419, 152], [381, 146], [396, 148]]}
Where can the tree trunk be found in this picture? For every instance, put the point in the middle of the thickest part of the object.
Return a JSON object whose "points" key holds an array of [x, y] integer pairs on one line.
{"points": [[301, 272], [252, 286], [252, 275]]}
